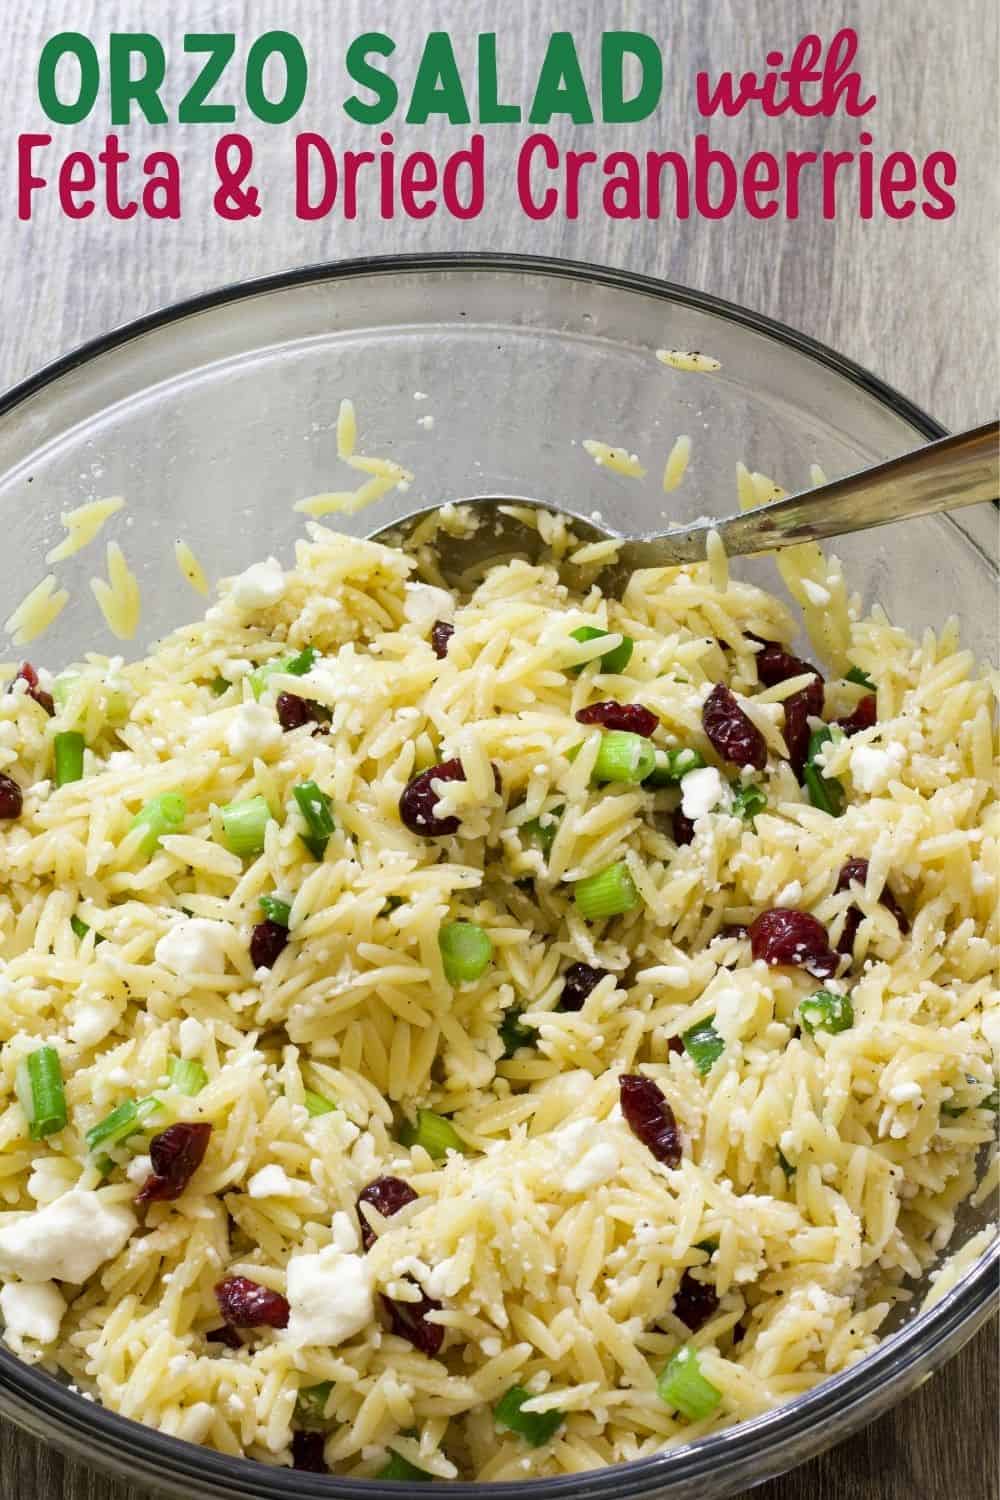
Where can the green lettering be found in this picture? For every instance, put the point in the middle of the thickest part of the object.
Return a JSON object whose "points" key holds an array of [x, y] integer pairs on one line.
{"points": [[143, 91], [220, 47], [615, 47], [382, 86], [561, 89], [437, 88], [289, 49], [491, 111], [64, 44]]}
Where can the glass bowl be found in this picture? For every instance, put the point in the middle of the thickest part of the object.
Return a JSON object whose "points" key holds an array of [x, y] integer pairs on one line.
{"points": [[214, 416]]}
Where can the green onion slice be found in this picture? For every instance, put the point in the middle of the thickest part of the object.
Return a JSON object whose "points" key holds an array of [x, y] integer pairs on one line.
{"points": [[862, 679], [536, 1427], [399, 1467], [187, 1075], [703, 1044], [825, 1011], [615, 660], [314, 805], [275, 909], [244, 823], [159, 816], [68, 753], [683, 1386], [310, 1404], [466, 951], [292, 666], [609, 893], [748, 801], [622, 756], [540, 833], [39, 1086], [218, 686], [514, 1033], [128, 1118], [825, 792], [317, 1104], [671, 765], [436, 1134]]}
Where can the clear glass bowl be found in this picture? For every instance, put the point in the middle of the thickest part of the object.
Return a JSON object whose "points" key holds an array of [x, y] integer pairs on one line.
{"points": [[212, 417]]}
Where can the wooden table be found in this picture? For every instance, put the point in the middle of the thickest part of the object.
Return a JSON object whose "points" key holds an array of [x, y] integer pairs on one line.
{"points": [[915, 301]]}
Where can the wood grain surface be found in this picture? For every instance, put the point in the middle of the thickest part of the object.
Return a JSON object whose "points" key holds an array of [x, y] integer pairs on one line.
{"points": [[915, 301]]}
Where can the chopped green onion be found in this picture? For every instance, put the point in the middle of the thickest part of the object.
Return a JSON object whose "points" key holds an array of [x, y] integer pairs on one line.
{"points": [[536, 1427], [609, 893], [615, 660], [953, 1110], [540, 833], [671, 765], [825, 792], [622, 756], [391, 904], [991, 1102], [105, 1165], [703, 1044], [310, 1404], [317, 1104], [861, 678], [275, 909], [825, 1011], [218, 686], [748, 801], [709, 1247], [314, 806], [399, 1467], [68, 751], [785, 1165], [63, 686], [243, 824], [293, 666], [81, 929], [513, 1033], [187, 1075], [436, 1134], [128, 1118], [39, 1085], [160, 815], [466, 950], [683, 1386]]}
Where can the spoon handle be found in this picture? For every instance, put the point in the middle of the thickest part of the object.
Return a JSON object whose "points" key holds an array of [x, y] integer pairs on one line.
{"points": [[960, 470]]}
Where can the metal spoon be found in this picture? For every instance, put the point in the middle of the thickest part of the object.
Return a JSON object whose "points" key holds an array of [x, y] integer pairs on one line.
{"points": [[960, 470]]}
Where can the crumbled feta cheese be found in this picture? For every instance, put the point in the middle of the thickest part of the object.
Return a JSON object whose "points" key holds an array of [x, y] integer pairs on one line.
{"points": [[596, 1166], [273, 1182], [194, 946], [65, 1241], [905, 1093], [261, 585], [31, 1311], [701, 791], [579, 1162], [331, 1297], [423, 604], [252, 731], [91, 1021], [873, 768], [192, 1036], [138, 1169]]}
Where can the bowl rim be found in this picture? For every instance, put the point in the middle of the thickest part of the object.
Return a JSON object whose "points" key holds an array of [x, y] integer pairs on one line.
{"points": [[837, 1405]]}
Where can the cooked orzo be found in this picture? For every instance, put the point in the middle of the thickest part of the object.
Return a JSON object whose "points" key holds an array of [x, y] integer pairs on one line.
{"points": [[489, 1036]]}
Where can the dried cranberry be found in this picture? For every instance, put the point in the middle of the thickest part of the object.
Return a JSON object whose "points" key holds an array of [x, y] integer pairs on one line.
{"points": [[695, 1302], [649, 1116], [734, 930], [441, 634], [225, 1335], [683, 828], [267, 942], [578, 981], [675, 1044], [631, 717], [386, 1194], [419, 799], [409, 1321], [865, 716], [857, 870], [11, 797], [246, 1304], [293, 711], [786, 936], [799, 708], [775, 664], [308, 1452], [739, 1332], [732, 734], [176, 1154], [44, 700]]}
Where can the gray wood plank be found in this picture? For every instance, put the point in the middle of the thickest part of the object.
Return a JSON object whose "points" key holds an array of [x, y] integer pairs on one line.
{"points": [[917, 303]]}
